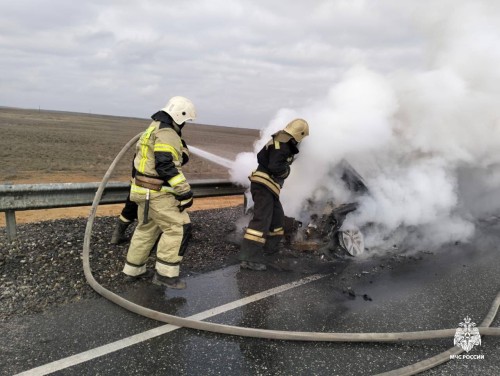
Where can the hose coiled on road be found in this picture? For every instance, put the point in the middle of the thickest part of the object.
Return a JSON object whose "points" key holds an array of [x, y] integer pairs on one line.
{"points": [[413, 369]]}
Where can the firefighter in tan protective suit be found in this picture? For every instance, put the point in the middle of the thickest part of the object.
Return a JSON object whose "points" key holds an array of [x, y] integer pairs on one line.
{"points": [[265, 230], [162, 193]]}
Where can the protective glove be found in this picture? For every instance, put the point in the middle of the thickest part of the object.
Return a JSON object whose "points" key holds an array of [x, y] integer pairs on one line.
{"points": [[285, 174], [280, 179], [184, 195], [184, 204], [185, 201]]}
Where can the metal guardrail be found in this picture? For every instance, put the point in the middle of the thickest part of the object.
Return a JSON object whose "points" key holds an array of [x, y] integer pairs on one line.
{"points": [[18, 197]]}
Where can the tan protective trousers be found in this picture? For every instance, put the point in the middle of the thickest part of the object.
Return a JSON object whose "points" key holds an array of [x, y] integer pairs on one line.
{"points": [[166, 221]]}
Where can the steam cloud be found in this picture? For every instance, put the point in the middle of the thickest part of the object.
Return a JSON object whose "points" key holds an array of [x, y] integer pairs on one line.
{"points": [[426, 143]]}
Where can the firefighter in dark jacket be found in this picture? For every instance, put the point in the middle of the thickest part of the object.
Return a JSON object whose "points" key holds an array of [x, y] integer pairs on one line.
{"points": [[265, 230], [162, 194]]}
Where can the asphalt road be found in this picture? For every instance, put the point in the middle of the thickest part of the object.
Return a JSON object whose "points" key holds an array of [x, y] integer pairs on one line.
{"points": [[386, 294]]}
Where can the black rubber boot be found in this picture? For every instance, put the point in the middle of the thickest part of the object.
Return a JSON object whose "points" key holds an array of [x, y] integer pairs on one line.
{"points": [[272, 245], [119, 232], [251, 256], [170, 282], [141, 277]]}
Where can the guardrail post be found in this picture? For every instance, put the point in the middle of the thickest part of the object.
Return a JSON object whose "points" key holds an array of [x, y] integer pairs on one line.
{"points": [[10, 221]]}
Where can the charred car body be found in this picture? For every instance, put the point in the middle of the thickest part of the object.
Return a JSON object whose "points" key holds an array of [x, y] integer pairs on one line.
{"points": [[324, 233]]}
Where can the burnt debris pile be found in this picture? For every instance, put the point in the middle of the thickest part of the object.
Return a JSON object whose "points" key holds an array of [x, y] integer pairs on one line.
{"points": [[324, 233]]}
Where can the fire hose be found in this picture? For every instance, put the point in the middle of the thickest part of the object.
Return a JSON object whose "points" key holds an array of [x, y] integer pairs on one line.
{"points": [[413, 369]]}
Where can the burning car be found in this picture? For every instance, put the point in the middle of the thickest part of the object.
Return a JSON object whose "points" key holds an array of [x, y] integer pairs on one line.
{"points": [[324, 233]]}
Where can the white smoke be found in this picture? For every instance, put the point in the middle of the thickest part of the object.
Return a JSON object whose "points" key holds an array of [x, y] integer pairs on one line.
{"points": [[413, 136]]}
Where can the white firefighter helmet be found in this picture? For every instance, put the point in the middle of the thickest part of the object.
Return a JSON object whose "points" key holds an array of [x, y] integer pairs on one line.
{"points": [[180, 109], [298, 129]]}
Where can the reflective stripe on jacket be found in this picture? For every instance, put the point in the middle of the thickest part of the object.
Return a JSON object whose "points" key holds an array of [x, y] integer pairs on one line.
{"points": [[159, 154], [263, 178], [274, 162]]}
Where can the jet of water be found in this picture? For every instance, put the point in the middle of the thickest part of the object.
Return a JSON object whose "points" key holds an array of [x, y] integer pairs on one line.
{"points": [[211, 157]]}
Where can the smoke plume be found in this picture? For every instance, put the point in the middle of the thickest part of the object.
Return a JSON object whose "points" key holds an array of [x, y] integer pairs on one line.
{"points": [[427, 143]]}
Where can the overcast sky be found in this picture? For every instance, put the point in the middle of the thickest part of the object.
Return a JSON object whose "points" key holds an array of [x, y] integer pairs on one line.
{"points": [[239, 61]]}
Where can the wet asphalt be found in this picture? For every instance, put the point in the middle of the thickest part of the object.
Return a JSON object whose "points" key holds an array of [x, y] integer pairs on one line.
{"points": [[384, 294]]}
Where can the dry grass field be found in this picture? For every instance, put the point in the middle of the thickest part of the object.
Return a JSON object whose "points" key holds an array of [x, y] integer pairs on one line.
{"points": [[62, 147]]}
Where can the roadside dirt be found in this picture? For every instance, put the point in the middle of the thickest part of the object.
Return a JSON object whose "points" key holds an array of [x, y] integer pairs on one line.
{"points": [[39, 147], [58, 147]]}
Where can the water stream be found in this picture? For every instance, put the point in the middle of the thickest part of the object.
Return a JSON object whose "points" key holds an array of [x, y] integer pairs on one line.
{"points": [[211, 157]]}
